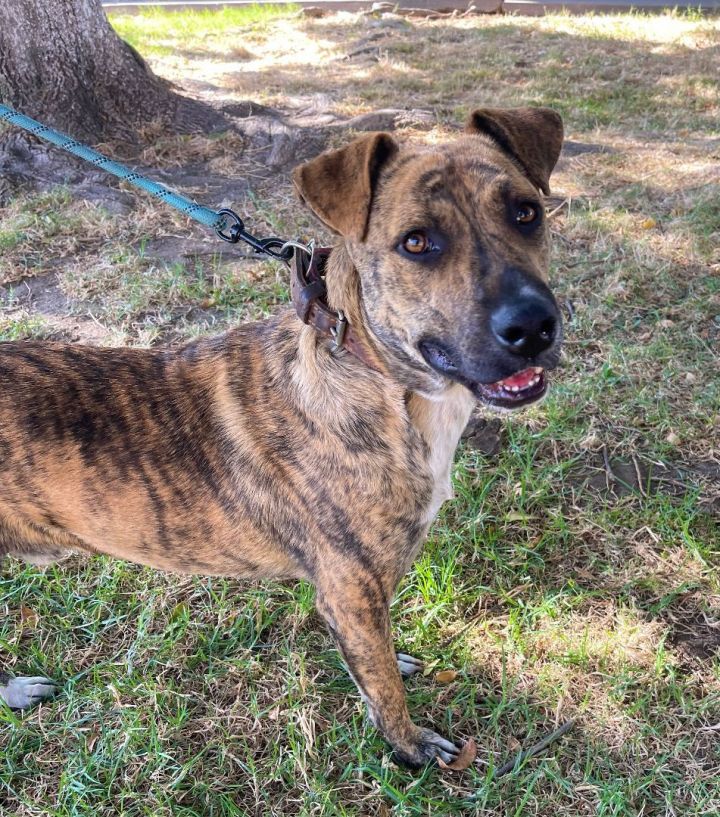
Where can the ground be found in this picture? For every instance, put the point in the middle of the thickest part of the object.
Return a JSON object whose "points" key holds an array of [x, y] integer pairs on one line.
{"points": [[576, 573]]}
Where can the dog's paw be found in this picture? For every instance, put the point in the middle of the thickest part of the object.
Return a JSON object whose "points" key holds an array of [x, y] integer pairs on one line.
{"points": [[408, 665], [427, 748], [25, 692]]}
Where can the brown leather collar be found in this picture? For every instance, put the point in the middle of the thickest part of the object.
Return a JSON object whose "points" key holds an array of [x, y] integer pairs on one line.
{"points": [[309, 292]]}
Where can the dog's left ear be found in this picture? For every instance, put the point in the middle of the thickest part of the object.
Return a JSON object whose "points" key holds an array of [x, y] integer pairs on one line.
{"points": [[532, 136], [338, 186]]}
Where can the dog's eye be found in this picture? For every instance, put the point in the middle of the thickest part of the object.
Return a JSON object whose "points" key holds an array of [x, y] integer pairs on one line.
{"points": [[526, 214], [424, 246], [416, 243]]}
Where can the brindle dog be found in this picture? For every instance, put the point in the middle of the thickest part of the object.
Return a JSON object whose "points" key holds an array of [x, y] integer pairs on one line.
{"points": [[264, 452]]}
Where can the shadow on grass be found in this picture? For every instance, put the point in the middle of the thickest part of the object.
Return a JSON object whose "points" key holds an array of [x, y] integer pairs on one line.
{"points": [[638, 88]]}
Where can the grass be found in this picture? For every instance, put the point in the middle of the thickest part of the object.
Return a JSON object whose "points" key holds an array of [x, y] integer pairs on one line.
{"points": [[23, 326], [157, 33], [576, 572]]}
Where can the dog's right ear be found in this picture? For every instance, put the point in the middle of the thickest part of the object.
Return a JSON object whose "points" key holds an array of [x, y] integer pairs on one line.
{"points": [[338, 186]]}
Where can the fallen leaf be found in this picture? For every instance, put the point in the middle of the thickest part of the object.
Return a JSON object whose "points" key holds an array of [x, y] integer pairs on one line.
{"points": [[429, 668], [180, 611], [447, 676], [672, 438], [513, 744], [518, 516], [467, 754], [28, 617], [92, 738], [591, 442], [648, 223]]}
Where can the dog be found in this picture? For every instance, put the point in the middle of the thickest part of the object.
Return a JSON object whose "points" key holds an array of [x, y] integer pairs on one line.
{"points": [[319, 450]]}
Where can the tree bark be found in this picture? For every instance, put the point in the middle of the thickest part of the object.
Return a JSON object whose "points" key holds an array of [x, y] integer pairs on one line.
{"points": [[62, 63]]}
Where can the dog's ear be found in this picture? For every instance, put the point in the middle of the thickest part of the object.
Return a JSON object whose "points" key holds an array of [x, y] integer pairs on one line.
{"points": [[532, 136], [338, 186]]}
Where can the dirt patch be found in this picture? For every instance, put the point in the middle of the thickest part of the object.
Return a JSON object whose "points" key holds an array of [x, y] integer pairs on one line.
{"points": [[177, 248], [40, 293], [693, 622], [697, 637], [484, 435], [615, 478]]}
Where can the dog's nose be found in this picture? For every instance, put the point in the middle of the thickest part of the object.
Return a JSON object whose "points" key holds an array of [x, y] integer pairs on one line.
{"points": [[525, 327]]}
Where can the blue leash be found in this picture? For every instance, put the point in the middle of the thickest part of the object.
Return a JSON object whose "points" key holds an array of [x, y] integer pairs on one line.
{"points": [[226, 223]]}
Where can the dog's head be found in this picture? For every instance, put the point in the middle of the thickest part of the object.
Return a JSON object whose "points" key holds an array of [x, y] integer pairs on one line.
{"points": [[450, 243]]}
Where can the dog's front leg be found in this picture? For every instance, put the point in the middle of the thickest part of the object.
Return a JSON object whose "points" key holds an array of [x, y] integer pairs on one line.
{"points": [[356, 612]]}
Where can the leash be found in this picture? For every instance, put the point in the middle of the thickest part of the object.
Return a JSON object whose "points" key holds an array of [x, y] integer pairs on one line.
{"points": [[227, 224], [306, 262]]}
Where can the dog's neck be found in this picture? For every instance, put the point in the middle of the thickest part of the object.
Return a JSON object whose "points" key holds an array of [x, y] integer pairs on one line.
{"points": [[343, 293], [440, 418]]}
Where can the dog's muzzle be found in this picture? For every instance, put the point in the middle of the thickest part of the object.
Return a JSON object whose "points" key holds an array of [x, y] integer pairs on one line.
{"points": [[505, 364]]}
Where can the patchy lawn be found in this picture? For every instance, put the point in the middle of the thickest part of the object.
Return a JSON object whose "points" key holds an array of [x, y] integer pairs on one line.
{"points": [[576, 573]]}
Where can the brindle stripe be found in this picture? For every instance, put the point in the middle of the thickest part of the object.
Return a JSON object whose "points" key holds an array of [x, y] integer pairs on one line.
{"points": [[396, 167]]}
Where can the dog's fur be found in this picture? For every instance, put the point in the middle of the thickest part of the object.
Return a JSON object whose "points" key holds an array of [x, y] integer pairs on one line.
{"points": [[260, 452]]}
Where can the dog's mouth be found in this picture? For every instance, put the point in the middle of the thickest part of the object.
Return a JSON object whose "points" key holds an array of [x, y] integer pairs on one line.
{"points": [[520, 389], [517, 390]]}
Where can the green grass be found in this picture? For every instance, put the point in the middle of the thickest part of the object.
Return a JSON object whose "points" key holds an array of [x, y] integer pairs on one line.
{"points": [[133, 290], [552, 588], [36, 226], [22, 326], [157, 32]]}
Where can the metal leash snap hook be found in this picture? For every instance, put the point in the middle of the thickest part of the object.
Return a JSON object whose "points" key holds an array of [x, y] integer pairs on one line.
{"points": [[234, 229], [276, 248]]}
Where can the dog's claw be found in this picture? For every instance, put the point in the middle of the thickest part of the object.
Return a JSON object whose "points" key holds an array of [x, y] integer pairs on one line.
{"points": [[446, 749], [429, 747], [446, 756], [463, 760], [25, 692], [408, 665]]}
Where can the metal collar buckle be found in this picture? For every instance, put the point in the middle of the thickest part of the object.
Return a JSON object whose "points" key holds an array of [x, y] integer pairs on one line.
{"points": [[338, 331]]}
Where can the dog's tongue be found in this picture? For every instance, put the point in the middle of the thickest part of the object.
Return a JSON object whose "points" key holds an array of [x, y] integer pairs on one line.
{"points": [[520, 380]]}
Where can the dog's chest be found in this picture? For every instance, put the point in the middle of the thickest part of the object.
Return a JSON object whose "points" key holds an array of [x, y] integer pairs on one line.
{"points": [[440, 421]]}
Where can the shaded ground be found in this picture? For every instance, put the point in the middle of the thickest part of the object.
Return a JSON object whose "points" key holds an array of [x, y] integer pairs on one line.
{"points": [[576, 572]]}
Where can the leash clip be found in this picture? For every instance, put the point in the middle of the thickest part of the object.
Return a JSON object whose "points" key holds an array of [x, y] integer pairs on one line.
{"points": [[232, 231], [235, 231]]}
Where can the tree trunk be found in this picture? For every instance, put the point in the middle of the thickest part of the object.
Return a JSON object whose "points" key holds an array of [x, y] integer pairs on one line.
{"points": [[62, 63]]}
